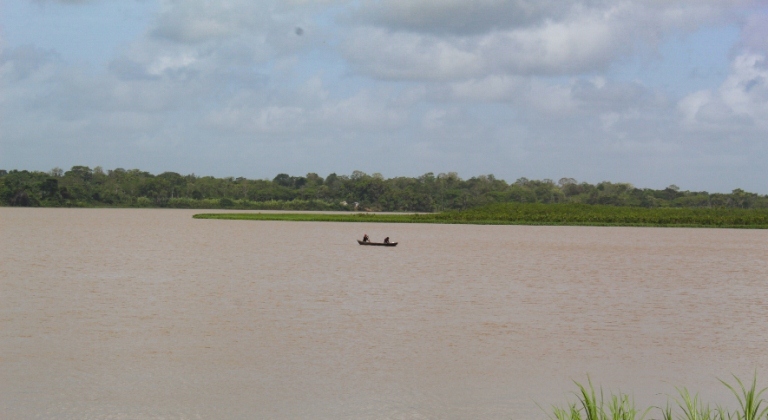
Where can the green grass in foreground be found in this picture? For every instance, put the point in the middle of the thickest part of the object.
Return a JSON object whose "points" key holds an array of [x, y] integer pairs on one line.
{"points": [[592, 405], [543, 214]]}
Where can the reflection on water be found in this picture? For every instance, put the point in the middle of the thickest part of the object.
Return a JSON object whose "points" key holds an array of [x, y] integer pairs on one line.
{"points": [[151, 314]]}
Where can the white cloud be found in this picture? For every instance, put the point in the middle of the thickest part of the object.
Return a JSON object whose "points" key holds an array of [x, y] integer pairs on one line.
{"points": [[740, 102], [163, 63], [196, 21], [494, 88], [746, 89], [585, 43], [200, 38], [690, 105], [382, 54]]}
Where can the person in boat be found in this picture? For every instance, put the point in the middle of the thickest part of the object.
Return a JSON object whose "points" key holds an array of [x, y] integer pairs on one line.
{"points": [[365, 238], [386, 240]]}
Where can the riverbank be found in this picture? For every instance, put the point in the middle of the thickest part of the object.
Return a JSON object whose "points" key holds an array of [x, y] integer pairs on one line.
{"points": [[541, 214]]}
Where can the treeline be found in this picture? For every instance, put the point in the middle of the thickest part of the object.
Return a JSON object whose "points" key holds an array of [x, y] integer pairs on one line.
{"points": [[82, 186]]}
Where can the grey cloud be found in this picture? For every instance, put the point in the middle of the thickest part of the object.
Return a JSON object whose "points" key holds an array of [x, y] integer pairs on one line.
{"points": [[150, 58], [194, 22], [493, 88], [388, 55], [127, 69], [65, 1], [456, 16], [23, 62], [418, 40], [718, 116], [551, 49], [755, 33], [462, 17], [554, 48], [551, 97], [198, 39], [191, 22], [610, 96]]}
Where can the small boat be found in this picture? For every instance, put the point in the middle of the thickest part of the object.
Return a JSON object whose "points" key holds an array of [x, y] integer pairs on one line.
{"points": [[377, 243]]}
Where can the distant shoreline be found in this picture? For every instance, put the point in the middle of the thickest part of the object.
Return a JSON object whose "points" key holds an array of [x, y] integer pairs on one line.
{"points": [[539, 215], [82, 186]]}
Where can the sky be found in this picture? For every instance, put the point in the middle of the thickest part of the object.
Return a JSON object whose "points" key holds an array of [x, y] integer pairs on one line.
{"points": [[649, 92]]}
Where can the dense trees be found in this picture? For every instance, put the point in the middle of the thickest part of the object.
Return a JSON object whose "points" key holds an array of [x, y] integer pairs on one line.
{"points": [[82, 186]]}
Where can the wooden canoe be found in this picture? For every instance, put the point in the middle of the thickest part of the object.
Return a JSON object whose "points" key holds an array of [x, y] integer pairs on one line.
{"points": [[376, 243]]}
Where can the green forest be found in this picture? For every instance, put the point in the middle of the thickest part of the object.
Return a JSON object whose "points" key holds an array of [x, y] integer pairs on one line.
{"points": [[82, 186]]}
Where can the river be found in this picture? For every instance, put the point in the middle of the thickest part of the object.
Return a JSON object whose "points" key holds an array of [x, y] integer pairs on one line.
{"points": [[149, 314]]}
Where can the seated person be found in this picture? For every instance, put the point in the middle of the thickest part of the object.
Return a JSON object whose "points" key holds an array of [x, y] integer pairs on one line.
{"points": [[365, 238], [386, 240]]}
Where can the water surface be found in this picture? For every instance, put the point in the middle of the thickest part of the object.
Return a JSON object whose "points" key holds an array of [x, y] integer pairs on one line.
{"points": [[141, 314]]}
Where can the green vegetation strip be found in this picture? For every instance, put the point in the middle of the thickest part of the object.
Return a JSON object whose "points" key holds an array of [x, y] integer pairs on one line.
{"points": [[542, 214], [595, 405]]}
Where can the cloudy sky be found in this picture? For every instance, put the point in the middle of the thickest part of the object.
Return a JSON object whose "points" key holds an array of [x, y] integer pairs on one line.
{"points": [[651, 92]]}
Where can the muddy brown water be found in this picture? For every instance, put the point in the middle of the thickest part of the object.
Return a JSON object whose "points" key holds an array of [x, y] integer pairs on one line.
{"points": [[149, 314]]}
